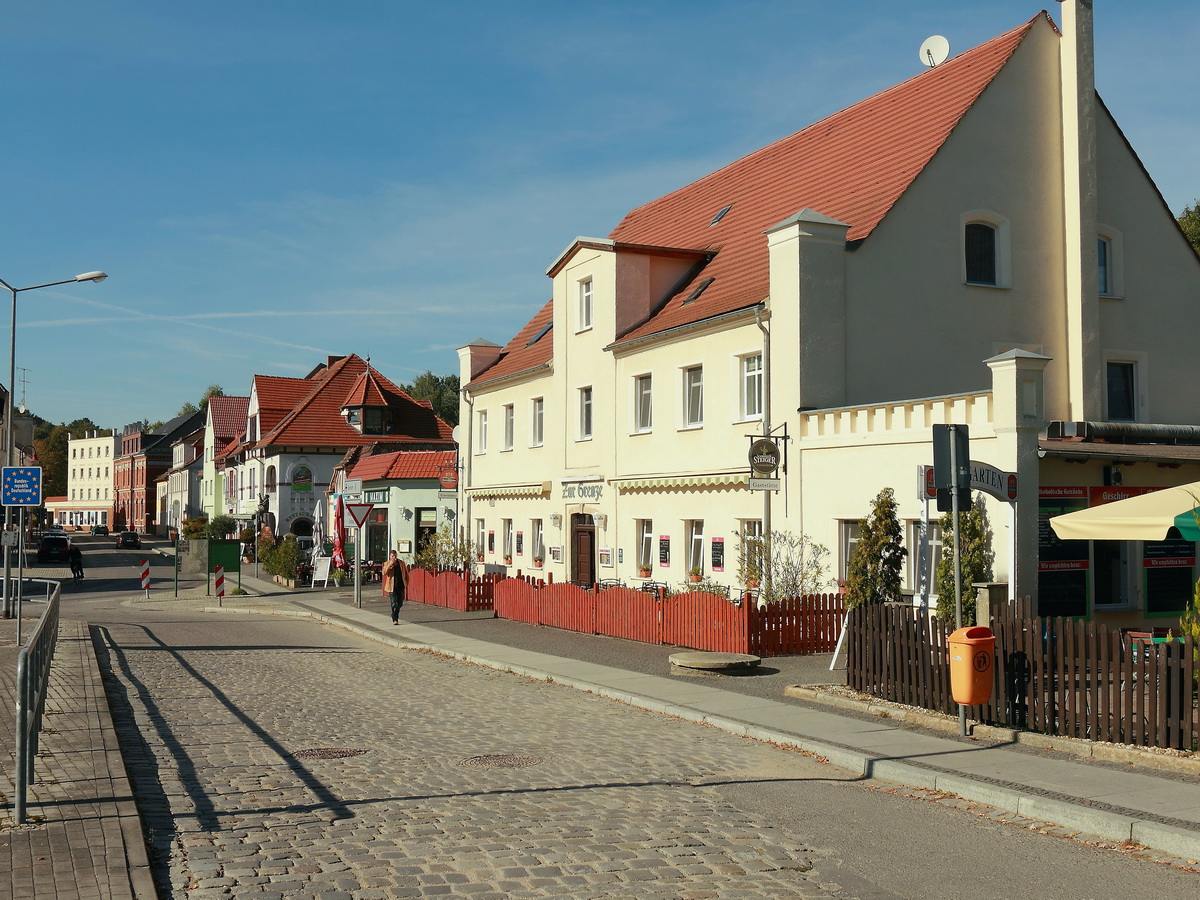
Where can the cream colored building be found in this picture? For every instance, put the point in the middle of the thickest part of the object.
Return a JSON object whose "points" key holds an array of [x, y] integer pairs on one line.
{"points": [[89, 498], [977, 246]]}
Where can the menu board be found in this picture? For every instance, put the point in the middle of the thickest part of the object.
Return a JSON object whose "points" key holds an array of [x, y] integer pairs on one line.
{"points": [[1062, 565]]}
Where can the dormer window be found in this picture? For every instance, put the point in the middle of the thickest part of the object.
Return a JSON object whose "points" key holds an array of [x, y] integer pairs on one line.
{"points": [[375, 421], [353, 417]]}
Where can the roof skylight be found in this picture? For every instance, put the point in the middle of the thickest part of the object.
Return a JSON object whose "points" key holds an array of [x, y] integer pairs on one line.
{"points": [[720, 215]]}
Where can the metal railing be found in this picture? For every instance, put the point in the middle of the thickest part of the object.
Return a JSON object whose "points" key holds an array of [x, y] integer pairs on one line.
{"points": [[33, 676]]}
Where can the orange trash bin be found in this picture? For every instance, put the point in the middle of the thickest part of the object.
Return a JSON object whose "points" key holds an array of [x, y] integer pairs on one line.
{"points": [[972, 660]]}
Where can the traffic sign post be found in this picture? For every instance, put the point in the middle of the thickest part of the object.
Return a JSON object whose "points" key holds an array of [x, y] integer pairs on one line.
{"points": [[22, 485], [358, 512]]}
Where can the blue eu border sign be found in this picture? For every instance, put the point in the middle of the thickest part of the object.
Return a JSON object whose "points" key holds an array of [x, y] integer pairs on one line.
{"points": [[21, 485]]}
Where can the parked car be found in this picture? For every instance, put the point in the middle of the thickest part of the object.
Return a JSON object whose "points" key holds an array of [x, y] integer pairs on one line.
{"points": [[53, 548], [128, 539], [100, 529]]}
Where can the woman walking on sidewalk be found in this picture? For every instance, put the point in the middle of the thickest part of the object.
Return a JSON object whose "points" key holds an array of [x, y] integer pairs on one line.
{"points": [[395, 583]]}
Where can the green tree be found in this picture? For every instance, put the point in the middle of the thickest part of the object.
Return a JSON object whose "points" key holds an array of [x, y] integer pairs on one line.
{"points": [[220, 526], [975, 544], [213, 390], [1189, 221], [53, 452], [874, 573], [440, 390]]}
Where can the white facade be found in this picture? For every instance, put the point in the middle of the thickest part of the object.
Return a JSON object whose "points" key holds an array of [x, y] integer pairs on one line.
{"points": [[1080, 309], [89, 497]]}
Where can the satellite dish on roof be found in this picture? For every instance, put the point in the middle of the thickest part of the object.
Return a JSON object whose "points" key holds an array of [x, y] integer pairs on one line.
{"points": [[934, 50]]}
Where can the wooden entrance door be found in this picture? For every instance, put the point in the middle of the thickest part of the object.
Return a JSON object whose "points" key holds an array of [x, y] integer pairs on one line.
{"points": [[583, 545]]}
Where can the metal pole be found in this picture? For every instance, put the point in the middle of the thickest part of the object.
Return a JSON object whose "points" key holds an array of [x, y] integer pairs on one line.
{"points": [[20, 568], [962, 710], [8, 445], [358, 566]]}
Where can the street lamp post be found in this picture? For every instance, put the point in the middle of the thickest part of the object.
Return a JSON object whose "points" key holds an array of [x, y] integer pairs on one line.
{"points": [[9, 452]]}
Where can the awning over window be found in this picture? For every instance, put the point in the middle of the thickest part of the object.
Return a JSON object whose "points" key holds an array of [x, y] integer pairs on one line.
{"points": [[510, 490], [717, 480]]}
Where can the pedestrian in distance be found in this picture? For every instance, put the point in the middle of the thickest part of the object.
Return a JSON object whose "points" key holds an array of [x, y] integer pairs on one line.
{"points": [[395, 583], [75, 557]]}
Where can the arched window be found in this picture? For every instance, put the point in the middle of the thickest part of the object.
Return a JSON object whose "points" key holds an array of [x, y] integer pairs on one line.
{"points": [[271, 479], [986, 255], [979, 244]]}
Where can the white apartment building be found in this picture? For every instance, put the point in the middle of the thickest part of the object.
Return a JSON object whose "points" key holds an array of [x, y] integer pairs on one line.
{"points": [[89, 497]]}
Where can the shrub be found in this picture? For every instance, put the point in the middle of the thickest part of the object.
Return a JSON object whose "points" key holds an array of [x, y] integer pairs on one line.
{"points": [[287, 557], [975, 539], [874, 572], [195, 527], [220, 526], [441, 551], [789, 565]]}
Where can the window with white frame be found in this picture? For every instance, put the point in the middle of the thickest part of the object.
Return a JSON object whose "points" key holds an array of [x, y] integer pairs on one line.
{"points": [[585, 304], [924, 553], [986, 257], [643, 403], [537, 539], [645, 547], [695, 545], [508, 426], [506, 530], [585, 414], [752, 386], [480, 536], [536, 431], [693, 396], [481, 440], [750, 558], [848, 539]]}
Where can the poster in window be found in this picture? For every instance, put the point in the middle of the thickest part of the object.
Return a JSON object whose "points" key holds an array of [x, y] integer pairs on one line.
{"points": [[556, 554], [605, 556], [664, 550], [718, 554], [520, 543], [1168, 568], [1063, 566], [491, 542]]}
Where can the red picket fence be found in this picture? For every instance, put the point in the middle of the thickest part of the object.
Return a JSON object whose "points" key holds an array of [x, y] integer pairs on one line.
{"points": [[452, 590], [694, 619]]}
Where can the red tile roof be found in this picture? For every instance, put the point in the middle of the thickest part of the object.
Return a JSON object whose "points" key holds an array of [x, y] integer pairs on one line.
{"points": [[852, 166], [523, 352], [404, 464], [315, 418], [228, 415], [371, 389]]}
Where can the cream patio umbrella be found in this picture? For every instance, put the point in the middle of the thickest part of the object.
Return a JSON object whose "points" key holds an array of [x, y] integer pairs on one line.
{"points": [[1147, 517]]}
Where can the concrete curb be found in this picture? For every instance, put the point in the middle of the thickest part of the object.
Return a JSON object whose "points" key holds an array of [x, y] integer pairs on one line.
{"points": [[1164, 760]]}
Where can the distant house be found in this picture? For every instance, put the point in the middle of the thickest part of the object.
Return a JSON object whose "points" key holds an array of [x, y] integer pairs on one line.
{"points": [[89, 497], [297, 430], [183, 481], [223, 427], [144, 456], [978, 245]]}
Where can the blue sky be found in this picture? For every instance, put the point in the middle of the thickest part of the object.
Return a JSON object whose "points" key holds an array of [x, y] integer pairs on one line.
{"points": [[273, 181]]}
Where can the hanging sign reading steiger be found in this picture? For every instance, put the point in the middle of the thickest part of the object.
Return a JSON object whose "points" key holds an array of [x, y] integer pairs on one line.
{"points": [[764, 459]]}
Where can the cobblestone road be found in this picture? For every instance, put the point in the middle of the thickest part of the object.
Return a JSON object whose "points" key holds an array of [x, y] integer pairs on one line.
{"points": [[469, 783]]}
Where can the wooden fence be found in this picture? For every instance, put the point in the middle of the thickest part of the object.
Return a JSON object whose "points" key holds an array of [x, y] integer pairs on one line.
{"points": [[1053, 676], [693, 619], [452, 590]]}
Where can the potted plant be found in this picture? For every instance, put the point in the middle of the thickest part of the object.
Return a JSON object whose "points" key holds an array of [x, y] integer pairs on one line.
{"points": [[694, 575], [537, 562], [643, 571], [508, 559]]}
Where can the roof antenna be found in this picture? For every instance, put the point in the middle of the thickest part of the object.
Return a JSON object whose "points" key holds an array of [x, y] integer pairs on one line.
{"points": [[933, 51]]}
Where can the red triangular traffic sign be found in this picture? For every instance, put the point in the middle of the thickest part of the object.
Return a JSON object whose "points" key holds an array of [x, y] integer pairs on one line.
{"points": [[359, 512]]}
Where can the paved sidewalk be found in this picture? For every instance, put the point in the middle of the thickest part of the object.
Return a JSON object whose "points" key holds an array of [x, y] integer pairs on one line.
{"points": [[83, 838]]}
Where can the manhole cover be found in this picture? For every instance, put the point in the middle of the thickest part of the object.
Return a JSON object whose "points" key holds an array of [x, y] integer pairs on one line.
{"points": [[501, 761], [327, 753]]}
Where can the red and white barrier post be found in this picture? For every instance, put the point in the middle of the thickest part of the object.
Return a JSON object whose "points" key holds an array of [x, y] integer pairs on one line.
{"points": [[219, 583], [146, 577]]}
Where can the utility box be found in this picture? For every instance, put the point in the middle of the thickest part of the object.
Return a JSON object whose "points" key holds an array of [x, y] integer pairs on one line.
{"points": [[972, 664]]}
